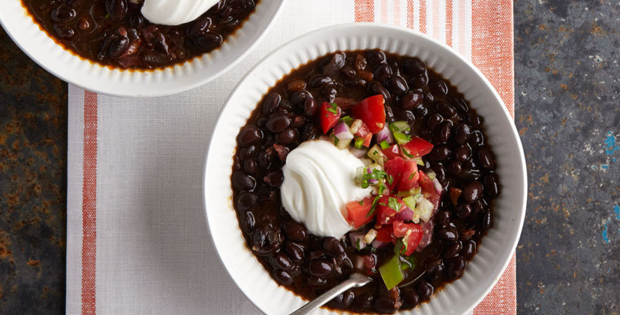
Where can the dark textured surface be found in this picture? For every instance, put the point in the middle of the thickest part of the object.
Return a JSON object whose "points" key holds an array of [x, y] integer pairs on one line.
{"points": [[566, 63], [567, 112], [33, 157]]}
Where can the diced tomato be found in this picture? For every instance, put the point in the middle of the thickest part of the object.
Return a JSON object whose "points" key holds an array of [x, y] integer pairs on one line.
{"points": [[392, 151], [409, 177], [413, 239], [427, 184], [385, 234], [372, 112], [394, 169], [364, 133], [385, 212], [329, 116], [401, 228], [367, 140], [417, 147], [357, 213]]}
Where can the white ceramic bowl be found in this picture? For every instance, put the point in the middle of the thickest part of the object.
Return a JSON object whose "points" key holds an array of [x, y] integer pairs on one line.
{"points": [[496, 248], [94, 77]]}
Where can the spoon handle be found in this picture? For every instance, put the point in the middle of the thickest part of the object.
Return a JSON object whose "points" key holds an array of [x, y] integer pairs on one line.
{"points": [[356, 280]]}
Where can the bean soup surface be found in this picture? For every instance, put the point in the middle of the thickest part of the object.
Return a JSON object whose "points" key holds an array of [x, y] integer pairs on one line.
{"points": [[114, 32], [308, 264]]}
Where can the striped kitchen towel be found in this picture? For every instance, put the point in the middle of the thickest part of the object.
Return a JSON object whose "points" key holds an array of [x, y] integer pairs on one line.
{"points": [[137, 242]]}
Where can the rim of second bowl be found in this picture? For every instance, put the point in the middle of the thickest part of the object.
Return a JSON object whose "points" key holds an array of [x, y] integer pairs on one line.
{"points": [[35, 43], [305, 41]]}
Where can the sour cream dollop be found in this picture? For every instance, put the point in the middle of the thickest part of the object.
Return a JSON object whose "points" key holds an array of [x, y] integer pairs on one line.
{"points": [[175, 12], [319, 179]]}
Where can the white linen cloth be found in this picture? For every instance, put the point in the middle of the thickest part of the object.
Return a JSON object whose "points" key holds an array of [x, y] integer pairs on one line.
{"points": [[137, 240]]}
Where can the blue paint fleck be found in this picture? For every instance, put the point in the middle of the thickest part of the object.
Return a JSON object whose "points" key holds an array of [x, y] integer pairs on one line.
{"points": [[604, 166], [605, 237], [614, 159], [610, 143], [594, 167], [617, 211]]}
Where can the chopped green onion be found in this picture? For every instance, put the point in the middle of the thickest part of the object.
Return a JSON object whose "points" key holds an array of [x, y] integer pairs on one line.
{"points": [[359, 143], [361, 202], [373, 207], [394, 204], [399, 126], [409, 202], [390, 179], [391, 273], [347, 119], [333, 109], [401, 138], [412, 175], [384, 145], [381, 189]]}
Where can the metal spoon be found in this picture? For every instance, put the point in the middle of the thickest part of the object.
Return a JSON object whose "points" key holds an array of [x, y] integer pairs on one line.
{"points": [[356, 280]]}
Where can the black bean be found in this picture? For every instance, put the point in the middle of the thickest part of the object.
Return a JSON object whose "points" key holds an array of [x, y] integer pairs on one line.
{"points": [[282, 277], [440, 153], [295, 252], [478, 206], [486, 159], [397, 85], [248, 152], [419, 81], [477, 139], [443, 217], [387, 305], [474, 120], [472, 192], [334, 64], [491, 185], [461, 105], [271, 103], [209, 41], [376, 88], [425, 290], [266, 239], [439, 88], [456, 267], [282, 261], [63, 13], [199, 27], [63, 31], [433, 121], [288, 136], [453, 251], [310, 107], [295, 231], [440, 173], [320, 267], [333, 247], [410, 298], [487, 220], [382, 71], [421, 111], [429, 97], [448, 233], [462, 153], [246, 201], [375, 56], [316, 254], [469, 249], [412, 100], [296, 85], [446, 110], [265, 158], [462, 211], [414, 66], [389, 114], [295, 270], [316, 281], [278, 122], [455, 168], [118, 47], [319, 80], [299, 98], [355, 82], [243, 181], [310, 132], [248, 135], [348, 71], [445, 131], [328, 94], [274, 179], [462, 132], [434, 271], [363, 301], [249, 222], [343, 300], [467, 234]]}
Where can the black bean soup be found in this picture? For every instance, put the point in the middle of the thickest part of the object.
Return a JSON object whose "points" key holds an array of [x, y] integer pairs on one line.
{"points": [[287, 115], [114, 32]]}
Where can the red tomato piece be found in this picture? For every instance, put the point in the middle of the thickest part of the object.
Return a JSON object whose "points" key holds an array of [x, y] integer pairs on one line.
{"points": [[357, 213], [329, 116], [392, 151], [367, 140], [401, 228], [427, 184], [372, 112], [364, 133], [385, 234], [385, 212], [410, 176], [394, 169], [413, 239], [417, 147]]}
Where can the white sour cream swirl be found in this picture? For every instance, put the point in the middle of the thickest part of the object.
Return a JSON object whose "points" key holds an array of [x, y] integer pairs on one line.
{"points": [[175, 12], [319, 179]]}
